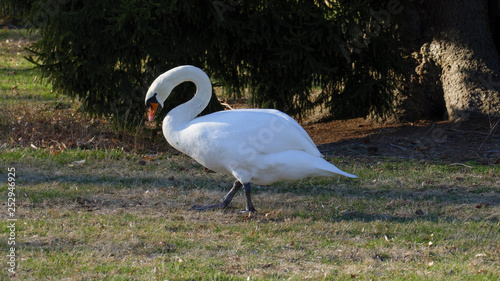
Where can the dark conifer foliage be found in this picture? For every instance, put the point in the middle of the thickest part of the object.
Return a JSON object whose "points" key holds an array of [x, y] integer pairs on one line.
{"points": [[290, 55]]}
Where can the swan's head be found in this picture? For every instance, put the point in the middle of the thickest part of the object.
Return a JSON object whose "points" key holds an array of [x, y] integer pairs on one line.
{"points": [[158, 92], [161, 88], [153, 105]]}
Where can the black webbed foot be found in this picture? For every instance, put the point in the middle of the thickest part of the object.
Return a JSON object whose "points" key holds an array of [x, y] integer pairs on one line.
{"points": [[210, 207], [225, 201]]}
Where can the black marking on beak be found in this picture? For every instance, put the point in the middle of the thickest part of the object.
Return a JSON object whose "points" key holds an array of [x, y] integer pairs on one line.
{"points": [[153, 106]]}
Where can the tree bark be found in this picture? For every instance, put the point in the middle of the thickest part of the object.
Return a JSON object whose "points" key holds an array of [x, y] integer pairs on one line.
{"points": [[458, 64]]}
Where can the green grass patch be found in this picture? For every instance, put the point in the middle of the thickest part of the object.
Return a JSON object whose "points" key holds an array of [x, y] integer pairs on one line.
{"points": [[20, 81], [112, 218]]}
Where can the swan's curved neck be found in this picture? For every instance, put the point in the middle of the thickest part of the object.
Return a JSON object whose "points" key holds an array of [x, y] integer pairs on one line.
{"points": [[189, 110]]}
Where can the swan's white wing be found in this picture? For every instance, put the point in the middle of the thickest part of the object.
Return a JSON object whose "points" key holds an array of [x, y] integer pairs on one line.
{"points": [[307, 142], [259, 146], [259, 130]]}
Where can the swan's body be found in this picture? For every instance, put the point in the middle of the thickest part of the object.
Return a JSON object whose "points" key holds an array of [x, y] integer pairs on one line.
{"points": [[259, 146]]}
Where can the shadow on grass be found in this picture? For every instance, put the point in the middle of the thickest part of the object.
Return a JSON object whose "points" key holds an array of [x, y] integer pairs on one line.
{"points": [[431, 217], [114, 191], [365, 217]]}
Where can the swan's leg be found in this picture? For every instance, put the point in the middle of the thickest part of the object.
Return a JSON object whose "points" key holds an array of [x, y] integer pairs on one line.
{"points": [[250, 207], [229, 196], [225, 200]]}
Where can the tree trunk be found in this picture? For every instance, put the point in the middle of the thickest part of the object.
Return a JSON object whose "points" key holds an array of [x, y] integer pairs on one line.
{"points": [[458, 64]]}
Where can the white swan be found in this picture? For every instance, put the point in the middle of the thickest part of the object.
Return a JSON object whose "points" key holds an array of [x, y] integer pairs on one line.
{"points": [[259, 146]]}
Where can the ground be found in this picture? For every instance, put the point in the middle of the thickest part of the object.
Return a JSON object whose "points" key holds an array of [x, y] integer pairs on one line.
{"points": [[451, 141]]}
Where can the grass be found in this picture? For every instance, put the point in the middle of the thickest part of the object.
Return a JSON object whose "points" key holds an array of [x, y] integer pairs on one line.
{"points": [[122, 214], [20, 82]]}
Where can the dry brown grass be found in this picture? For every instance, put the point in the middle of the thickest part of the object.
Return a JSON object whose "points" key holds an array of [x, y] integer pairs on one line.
{"points": [[63, 127]]}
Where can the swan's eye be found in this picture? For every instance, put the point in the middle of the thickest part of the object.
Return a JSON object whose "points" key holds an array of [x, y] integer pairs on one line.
{"points": [[152, 100]]}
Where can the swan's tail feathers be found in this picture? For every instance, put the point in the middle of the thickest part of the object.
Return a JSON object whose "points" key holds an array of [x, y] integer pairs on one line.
{"points": [[336, 170], [330, 168], [350, 175]]}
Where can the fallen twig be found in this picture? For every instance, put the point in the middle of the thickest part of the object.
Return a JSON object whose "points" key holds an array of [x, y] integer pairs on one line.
{"points": [[354, 151], [226, 105], [469, 132], [491, 131], [400, 147], [460, 164]]}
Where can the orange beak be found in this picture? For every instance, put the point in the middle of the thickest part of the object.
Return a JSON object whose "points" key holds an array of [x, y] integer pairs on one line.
{"points": [[152, 110]]}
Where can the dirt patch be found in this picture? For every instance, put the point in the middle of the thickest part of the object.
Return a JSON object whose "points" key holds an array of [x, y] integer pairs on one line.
{"points": [[477, 140]]}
